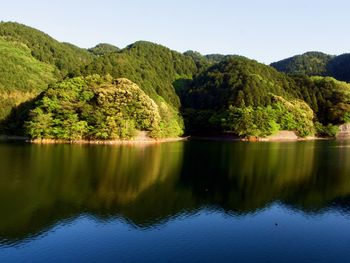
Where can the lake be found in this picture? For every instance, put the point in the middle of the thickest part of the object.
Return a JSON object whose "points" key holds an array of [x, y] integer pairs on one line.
{"points": [[191, 201]]}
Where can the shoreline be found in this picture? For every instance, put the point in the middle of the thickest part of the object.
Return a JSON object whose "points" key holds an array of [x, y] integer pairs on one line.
{"points": [[107, 142], [281, 136], [224, 138]]}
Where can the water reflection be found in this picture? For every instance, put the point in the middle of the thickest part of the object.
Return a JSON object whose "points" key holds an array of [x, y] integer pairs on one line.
{"points": [[41, 185]]}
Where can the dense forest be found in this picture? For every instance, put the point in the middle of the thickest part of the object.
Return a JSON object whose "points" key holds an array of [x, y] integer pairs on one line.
{"points": [[54, 90], [316, 64], [252, 99], [154, 67], [101, 108]]}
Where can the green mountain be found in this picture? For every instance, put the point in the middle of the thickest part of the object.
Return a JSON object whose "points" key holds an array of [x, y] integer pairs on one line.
{"points": [[316, 64], [156, 69], [242, 92], [310, 63], [328, 97], [237, 80], [97, 108], [66, 57], [22, 76], [339, 67], [103, 49], [153, 67], [215, 58], [204, 61], [29, 61], [252, 99], [201, 61], [160, 72], [212, 93]]}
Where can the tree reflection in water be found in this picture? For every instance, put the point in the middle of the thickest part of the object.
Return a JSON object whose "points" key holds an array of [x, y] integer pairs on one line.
{"points": [[41, 185]]}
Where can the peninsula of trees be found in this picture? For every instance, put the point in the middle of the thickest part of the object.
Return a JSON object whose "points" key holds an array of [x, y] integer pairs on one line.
{"points": [[54, 90]]}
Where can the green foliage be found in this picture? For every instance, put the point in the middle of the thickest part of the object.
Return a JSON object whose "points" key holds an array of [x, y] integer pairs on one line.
{"points": [[197, 121], [227, 92], [201, 61], [339, 67], [20, 71], [215, 58], [242, 121], [329, 98], [346, 115], [263, 121], [316, 64], [204, 61], [66, 57], [97, 107], [103, 49], [329, 130], [29, 61], [294, 115], [237, 81], [310, 63], [171, 124], [22, 76], [240, 95], [153, 67], [247, 98]]}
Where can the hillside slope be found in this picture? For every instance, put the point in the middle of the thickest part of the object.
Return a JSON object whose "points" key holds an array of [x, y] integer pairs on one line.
{"points": [[212, 92], [252, 99], [29, 61], [316, 64], [98, 108], [153, 67], [22, 76], [310, 63], [66, 57]]}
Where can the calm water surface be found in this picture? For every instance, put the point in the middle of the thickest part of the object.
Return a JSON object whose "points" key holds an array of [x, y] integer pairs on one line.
{"points": [[176, 202]]}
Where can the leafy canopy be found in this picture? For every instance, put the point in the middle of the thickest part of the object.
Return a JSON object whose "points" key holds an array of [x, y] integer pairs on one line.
{"points": [[96, 107]]}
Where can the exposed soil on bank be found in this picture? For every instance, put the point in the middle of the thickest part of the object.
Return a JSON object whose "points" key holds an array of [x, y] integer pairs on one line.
{"points": [[143, 138], [110, 142], [282, 136]]}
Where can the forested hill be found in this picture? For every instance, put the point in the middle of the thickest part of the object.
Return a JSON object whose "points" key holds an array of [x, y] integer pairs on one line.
{"points": [[66, 57], [55, 90], [238, 81], [153, 67], [316, 64], [31, 60], [252, 99], [204, 61], [310, 63], [100, 108], [103, 49]]}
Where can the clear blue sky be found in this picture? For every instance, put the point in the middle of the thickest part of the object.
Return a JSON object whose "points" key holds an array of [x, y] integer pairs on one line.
{"points": [[266, 30]]}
